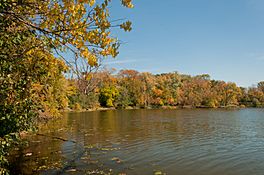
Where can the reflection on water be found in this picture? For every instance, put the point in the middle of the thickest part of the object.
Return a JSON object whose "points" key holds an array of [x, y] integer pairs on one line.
{"points": [[144, 141]]}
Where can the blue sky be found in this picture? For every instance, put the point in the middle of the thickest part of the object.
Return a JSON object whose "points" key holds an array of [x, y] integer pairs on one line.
{"points": [[224, 38]]}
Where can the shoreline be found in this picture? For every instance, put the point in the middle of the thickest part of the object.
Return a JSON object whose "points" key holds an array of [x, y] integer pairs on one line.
{"points": [[159, 107]]}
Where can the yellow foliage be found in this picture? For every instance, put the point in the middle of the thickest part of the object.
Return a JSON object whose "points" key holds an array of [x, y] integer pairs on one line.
{"points": [[81, 25]]}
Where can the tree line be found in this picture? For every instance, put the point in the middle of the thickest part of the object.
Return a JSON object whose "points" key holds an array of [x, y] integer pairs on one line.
{"points": [[130, 88]]}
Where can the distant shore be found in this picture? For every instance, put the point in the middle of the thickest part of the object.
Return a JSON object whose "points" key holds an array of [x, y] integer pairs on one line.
{"points": [[160, 107]]}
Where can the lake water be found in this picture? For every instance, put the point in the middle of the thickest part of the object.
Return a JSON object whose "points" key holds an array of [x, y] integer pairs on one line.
{"points": [[138, 142]]}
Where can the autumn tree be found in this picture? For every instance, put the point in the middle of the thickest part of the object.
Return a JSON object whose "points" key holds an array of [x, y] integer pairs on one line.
{"points": [[34, 34], [148, 82], [261, 86], [167, 88], [229, 94], [108, 90], [193, 90], [256, 97], [81, 28], [130, 80]]}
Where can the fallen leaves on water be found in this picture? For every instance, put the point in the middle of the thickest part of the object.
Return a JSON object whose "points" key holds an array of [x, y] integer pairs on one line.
{"points": [[71, 170], [28, 154], [98, 147], [159, 173], [110, 149], [85, 158], [117, 159], [97, 172], [93, 161]]}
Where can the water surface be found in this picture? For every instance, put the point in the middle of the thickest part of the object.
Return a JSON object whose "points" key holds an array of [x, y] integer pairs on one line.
{"points": [[137, 142]]}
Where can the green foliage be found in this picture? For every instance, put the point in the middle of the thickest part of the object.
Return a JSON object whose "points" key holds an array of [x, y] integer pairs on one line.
{"points": [[82, 101], [122, 100], [132, 82], [107, 96], [16, 105], [256, 102], [211, 103]]}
